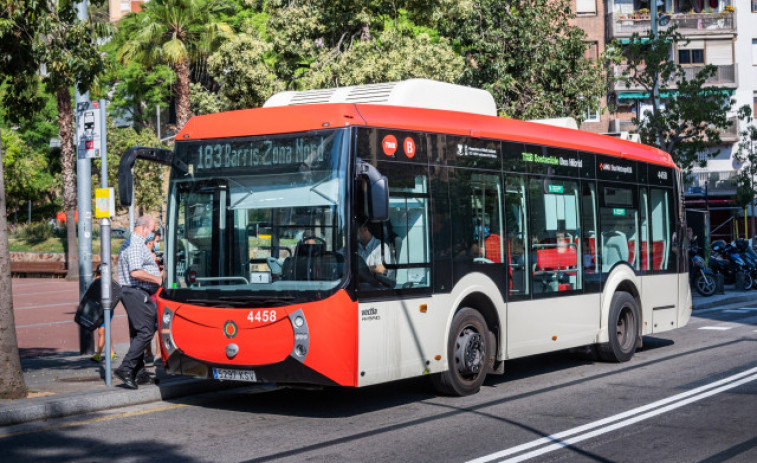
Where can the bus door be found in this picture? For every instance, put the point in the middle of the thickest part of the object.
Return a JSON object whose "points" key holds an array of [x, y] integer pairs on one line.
{"points": [[660, 253], [201, 246]]}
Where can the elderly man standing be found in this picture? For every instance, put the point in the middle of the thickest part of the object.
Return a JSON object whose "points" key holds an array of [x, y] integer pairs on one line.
{"points": [[139, 277]]}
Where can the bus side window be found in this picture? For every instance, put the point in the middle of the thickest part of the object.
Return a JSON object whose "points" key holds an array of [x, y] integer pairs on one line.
{"points": [[517, 233]]}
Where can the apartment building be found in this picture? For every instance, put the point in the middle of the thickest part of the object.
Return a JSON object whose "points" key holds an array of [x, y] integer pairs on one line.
{"points": [[719, 32], [119, 8]]}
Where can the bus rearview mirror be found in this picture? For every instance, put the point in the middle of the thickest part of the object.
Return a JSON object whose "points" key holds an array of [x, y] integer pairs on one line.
{"points": [[128, 159]]}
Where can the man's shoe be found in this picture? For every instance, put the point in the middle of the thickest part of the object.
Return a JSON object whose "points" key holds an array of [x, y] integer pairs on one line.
{"points": [[143, 378], [96, 358], [125, 375]]}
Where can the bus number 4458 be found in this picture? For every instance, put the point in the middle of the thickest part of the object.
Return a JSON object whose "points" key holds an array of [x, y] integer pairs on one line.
{"points": [[261, 316]]}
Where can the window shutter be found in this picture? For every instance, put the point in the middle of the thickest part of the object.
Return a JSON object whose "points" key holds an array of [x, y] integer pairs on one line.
{"points": [[586, 6], [720, 52]]}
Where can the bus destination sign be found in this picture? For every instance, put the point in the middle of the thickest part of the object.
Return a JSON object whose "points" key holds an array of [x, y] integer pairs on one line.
{"points": [[271, 152]]}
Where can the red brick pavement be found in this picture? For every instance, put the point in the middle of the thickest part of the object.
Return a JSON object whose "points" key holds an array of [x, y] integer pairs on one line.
{"points": [[44, 310]]}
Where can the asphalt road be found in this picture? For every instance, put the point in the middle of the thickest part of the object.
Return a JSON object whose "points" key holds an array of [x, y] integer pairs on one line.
{"points": [[689, 396]]}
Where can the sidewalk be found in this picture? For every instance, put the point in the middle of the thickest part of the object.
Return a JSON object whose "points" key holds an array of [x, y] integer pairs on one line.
{"points": [[63, 383]]}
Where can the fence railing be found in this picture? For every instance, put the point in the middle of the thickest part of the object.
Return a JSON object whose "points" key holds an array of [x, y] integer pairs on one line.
{"points": [[624, 25]]}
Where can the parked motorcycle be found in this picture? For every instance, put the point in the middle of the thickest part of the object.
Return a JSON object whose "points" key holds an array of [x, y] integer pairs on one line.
{"points": [[748, 255], [725, 260], [701, 278]]}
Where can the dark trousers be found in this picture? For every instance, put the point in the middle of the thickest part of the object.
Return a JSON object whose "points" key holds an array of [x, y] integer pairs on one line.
{"points": [[142, 315]]}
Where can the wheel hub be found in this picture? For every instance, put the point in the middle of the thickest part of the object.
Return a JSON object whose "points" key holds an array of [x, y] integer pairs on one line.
{"points": [[469, 352]]}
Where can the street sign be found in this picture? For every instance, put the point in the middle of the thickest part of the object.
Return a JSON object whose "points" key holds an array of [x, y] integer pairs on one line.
{"points": [[105, 203], [88, 130]]}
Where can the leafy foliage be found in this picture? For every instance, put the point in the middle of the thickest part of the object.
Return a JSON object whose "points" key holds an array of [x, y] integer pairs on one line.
{"points": [[526, 53], [26, 175], [148, 176], [746, 154], [693, 115]]}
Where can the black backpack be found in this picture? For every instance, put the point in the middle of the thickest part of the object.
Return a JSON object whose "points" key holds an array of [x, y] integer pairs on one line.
{"points": [[91, 313]]}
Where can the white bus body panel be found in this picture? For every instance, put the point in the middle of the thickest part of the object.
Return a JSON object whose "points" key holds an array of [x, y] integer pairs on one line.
{"points": [[396, 340], [659, 302], [543, 325], [685, 303]]}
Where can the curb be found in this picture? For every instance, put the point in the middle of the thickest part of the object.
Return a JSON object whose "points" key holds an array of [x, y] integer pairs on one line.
{"points": [[747, 296], [78, 403]]}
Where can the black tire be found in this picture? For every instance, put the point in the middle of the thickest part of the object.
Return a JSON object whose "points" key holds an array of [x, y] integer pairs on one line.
{"points": [[623, 329], [705, 284], [468, 355]]}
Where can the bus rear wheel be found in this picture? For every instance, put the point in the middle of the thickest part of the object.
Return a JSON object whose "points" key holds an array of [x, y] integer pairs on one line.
{"points": [[468, 355], [623, 329]]}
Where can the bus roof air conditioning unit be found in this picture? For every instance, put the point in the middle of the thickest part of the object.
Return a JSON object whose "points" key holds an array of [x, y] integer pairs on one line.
{"points": [[414, 93]]}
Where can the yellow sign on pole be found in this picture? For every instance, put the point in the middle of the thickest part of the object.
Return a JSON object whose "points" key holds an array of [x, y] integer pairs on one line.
{"points": [[105, 203]]}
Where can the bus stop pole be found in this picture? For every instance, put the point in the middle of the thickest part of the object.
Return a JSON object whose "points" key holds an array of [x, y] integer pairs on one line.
{"points": [[105, 261]]}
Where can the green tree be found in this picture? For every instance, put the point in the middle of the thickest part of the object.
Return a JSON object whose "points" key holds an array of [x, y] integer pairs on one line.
{"points": [[35, 34], [301, 45], [148, 176], [689, 122], [12, 384], [177, 33], [26, 174], [746, 154], [527, 54]]}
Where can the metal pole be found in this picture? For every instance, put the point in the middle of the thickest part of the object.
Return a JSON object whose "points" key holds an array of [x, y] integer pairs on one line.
{"points": [[157, 125], [84, 200], [105, 266], [656, 85], [106, 290]]}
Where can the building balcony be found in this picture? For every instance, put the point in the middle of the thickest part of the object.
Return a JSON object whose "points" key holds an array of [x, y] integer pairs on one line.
{"points": [[622, 25], [726, 77], [729, 135], [712, 182]]}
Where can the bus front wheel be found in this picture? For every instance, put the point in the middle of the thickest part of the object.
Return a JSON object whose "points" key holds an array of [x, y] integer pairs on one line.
{"points": [[468, 353], [623, 329]]}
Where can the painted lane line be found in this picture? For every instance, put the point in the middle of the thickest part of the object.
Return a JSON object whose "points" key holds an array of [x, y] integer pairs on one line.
{"points": [[623, 424], [716, 328], [621, 416], [736, 311]]}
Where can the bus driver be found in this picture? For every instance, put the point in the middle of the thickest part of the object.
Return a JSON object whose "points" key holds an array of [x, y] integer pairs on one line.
{"points": [[370, 249]]}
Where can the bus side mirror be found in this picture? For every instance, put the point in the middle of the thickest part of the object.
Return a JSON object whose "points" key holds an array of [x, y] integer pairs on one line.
{"points": [[128, 159], [377, 191]]}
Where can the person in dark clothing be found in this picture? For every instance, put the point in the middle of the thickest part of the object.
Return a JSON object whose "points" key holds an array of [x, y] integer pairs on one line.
{"points": [[139, 277]]}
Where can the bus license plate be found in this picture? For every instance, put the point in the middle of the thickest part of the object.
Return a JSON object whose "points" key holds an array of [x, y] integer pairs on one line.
{"points": [[234, 375]]}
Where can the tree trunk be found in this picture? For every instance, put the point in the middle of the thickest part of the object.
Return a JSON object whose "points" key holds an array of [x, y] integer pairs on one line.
{"points": [[12, 385], [68, 159], [182, 93]]}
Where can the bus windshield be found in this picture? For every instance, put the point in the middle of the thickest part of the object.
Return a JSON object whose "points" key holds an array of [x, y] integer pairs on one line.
{"points": [[257, 217]]}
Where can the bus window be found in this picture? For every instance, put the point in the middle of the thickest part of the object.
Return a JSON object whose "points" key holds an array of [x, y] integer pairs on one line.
{"points": [[663, 256], [646, 245], [517, 234], [486, 200], [555, 237], [619, 218], [405, 234], [588, 245]]}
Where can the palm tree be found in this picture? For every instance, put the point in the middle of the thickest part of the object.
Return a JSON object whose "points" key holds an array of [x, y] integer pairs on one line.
{"points": [[178, 33]]}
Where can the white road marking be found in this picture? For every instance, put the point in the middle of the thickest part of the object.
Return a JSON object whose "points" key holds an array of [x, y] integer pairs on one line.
{"points": [[621, 420], [716, 328], [736, 311]]}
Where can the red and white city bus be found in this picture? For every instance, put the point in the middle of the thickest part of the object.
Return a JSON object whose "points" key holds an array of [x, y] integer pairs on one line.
{"points": [[498, 238]]}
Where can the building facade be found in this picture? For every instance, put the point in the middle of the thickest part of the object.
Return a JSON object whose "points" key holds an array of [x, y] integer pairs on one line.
{"points": [[722, 33]]}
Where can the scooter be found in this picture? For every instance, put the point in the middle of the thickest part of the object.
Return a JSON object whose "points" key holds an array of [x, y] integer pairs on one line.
{"points": [[725, 260], [749, 256], [701, 278]]}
